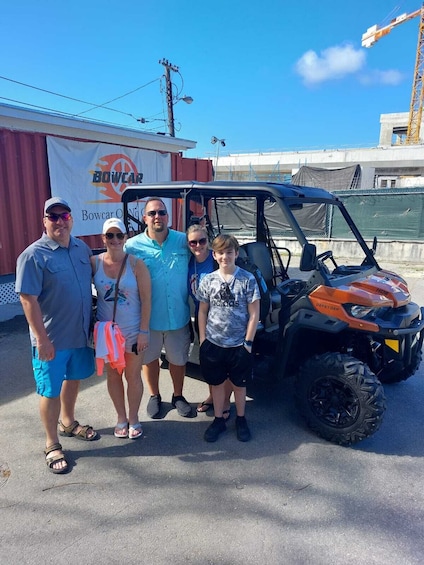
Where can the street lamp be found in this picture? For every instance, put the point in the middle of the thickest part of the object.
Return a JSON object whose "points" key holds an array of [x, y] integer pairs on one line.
{"points": [[219, 143], [172, 99]]}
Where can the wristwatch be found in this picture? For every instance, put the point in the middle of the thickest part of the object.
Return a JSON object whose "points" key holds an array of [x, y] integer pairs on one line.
{"points": [[248, 343]]}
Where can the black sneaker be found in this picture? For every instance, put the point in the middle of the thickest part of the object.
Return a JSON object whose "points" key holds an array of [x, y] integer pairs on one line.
{"points": [[242, 429], [154, 406], [182, 406], [217, 427]]}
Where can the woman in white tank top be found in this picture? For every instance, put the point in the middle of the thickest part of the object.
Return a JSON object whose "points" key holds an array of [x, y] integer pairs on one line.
{"points": [[133, 307]]}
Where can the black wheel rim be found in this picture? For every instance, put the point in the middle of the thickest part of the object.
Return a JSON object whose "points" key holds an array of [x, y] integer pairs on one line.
{"points": [[334, 402]]}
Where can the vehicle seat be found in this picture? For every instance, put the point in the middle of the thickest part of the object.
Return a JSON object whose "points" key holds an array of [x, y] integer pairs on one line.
{"points": [[258, 254]]}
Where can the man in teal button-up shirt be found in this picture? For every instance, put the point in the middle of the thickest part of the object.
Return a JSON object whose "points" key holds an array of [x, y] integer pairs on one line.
{"points": [[166, 255]]}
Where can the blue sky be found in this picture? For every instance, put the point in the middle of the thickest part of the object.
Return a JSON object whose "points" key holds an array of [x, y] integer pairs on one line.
{"points": [[274, 75]]}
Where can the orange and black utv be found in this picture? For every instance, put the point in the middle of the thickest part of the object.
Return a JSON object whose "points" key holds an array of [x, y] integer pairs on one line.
{"points": [[334, 320]]}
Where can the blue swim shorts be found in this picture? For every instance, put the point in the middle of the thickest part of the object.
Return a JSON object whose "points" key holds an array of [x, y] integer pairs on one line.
{"points": [[68, 364]]}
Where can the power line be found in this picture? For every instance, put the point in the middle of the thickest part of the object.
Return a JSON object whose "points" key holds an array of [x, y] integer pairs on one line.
{"points": [[119, 97], [34, 105], [94, 106], [148, 119], [43, 90], [59, 112]]}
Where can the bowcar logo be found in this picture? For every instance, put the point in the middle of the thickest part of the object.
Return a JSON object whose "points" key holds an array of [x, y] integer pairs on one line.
{"points": [[115, 172]]}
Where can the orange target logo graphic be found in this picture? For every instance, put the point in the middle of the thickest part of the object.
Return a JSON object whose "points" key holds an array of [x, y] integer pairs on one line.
{"points": [[114, 173]]}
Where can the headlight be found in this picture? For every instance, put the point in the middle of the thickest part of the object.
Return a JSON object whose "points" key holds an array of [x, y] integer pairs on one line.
{"points": [[360, 311]]}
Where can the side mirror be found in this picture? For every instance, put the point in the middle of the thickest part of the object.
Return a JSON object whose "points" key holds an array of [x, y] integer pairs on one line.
{"points": [[308, 258]]}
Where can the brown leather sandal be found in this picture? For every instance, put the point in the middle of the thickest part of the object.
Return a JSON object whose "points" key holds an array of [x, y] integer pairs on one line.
{"points": [[68, 431], [50, 461]]}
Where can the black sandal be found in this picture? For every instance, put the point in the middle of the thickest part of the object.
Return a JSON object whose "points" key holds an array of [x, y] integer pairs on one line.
{"points": [[204, 406]]}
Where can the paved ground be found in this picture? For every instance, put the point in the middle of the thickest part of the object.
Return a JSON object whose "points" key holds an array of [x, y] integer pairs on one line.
{"points": [[285, 497]]}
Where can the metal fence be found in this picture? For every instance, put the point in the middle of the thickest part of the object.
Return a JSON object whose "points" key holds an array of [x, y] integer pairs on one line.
{"points": [[392, 214]]}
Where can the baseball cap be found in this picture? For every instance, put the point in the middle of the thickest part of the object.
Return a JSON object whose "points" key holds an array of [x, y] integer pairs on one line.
{"points": [[56, 201], [113, 223]]}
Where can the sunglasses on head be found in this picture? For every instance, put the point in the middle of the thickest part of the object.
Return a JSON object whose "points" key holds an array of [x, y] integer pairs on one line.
{"points": [[65, 216], [195, 242], [118, 235], [153, 213]]}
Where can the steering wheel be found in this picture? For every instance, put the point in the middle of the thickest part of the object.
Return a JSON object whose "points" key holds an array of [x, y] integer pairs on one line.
{"points": [[324, 256], [290, 286]]}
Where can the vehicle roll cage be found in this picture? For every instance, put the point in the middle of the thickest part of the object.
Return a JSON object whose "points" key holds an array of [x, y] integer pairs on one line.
{"points": [[289, 197]]}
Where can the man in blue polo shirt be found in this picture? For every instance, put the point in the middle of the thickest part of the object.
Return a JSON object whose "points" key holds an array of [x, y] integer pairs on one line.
{"points": [[53, 279], [166, 255]]}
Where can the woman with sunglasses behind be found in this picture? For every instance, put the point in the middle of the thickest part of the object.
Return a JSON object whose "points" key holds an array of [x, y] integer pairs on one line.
{"points": [[202, 263], [133, 305]]}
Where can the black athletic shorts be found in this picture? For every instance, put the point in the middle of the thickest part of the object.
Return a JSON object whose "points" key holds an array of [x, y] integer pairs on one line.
{"points": [[221, 363]]}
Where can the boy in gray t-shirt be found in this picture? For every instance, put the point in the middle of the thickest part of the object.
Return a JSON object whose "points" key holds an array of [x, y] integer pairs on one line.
{"points": [[229, 301]]}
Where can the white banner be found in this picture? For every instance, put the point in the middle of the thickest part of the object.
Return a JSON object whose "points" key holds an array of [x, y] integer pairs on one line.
{"points": [[92, 176]]}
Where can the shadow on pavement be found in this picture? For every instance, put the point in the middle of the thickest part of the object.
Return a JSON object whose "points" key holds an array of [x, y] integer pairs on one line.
{"points": [[270, 408]]}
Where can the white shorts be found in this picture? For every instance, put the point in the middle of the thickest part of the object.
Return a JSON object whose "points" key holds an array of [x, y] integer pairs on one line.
{"points": [[176, 344]]}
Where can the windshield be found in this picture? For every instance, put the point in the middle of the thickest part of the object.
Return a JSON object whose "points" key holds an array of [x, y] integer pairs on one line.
{"points": [[289, 226]]}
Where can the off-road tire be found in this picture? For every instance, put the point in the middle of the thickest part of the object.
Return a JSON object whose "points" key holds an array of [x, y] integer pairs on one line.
{"points": [[340, 398]]}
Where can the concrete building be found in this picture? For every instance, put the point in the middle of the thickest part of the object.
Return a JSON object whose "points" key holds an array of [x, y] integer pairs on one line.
{"points": [[389, 165]]}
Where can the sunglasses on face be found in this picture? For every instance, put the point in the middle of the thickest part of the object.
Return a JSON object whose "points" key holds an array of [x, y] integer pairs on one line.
{"points": [[195, 242], [154, 213], [65, 216], [110, 235]]}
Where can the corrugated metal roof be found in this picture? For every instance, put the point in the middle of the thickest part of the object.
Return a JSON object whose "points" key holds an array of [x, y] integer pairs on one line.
{"points": [[23, 119]]}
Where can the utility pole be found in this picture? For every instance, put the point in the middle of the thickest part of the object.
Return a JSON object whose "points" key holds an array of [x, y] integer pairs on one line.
{"points": [[169, 97]]}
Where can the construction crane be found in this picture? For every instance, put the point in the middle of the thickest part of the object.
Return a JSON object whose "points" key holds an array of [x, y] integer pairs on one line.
{"points": [[372, 35]]}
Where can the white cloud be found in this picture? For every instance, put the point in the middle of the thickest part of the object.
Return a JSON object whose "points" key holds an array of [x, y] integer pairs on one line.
{"points": [[332, 63], [390, 77]]}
